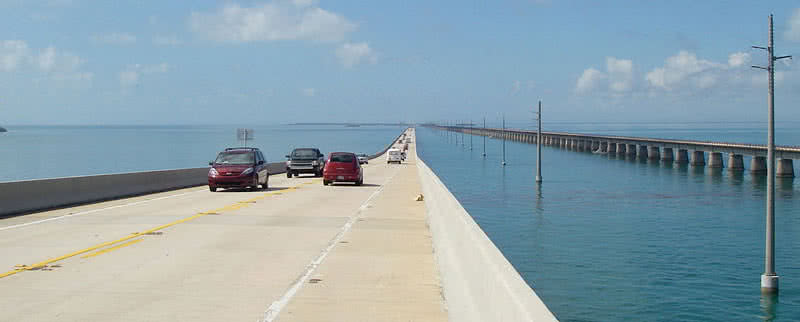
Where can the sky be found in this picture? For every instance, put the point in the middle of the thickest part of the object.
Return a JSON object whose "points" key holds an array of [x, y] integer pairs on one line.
{"points": [[273, 62]]}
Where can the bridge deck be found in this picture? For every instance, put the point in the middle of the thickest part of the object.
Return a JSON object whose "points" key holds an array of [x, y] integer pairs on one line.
{"points": [[229, 256]]}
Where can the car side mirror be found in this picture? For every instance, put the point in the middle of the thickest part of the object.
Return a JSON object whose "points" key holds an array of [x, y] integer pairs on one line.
{"points": [[260, 162], [322, 155], [211, 163], [287, 156]]}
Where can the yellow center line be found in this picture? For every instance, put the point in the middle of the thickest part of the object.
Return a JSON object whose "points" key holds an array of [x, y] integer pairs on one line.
{"points": [[44, 263], [101, 252]]}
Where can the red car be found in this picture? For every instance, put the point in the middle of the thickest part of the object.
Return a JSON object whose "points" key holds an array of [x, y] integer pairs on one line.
{"points": [[342, 167], [238, 168]]}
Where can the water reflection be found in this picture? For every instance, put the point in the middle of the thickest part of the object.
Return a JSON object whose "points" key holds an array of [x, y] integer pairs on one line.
{"points": [[768, 304]]}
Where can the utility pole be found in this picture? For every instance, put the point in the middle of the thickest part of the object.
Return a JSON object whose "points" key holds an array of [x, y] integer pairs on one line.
{"points": [[504, 139], [769, 280], [470, 135], [484, 136], [539, 145], [462, 133]]}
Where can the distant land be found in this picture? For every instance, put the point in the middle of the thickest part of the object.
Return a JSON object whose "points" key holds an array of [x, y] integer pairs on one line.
{"points": [[353, 124]]}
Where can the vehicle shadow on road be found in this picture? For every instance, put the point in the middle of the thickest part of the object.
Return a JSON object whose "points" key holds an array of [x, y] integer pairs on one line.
{"points": [[271, 189]]}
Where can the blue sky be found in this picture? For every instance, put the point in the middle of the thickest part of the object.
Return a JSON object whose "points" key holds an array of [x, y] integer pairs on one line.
{"points": [[266, 62]]}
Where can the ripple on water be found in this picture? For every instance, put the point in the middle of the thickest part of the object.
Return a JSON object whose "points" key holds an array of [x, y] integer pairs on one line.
{"points": [[610, 239]]}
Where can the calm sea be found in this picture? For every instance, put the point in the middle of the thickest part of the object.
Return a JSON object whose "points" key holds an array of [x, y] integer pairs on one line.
{"points": [[608, 238], [33, 152]]}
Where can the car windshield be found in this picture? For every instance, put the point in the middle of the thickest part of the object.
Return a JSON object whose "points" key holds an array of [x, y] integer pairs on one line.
{"points": [[342, 158], [235, 158], [304, 153]]}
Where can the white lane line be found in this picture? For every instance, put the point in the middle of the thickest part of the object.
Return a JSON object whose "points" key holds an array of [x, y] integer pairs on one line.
{"points": [[94, 210], [275, 308]]}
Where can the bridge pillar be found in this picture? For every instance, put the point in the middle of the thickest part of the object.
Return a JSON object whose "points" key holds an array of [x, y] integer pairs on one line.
{"points": [[580, 145], [603, 147], [715, 160], [653, 153], [631, 149], [574, 145], [595, 145], [698, 158], [735, 162], [785, 168], [641, 153], [758, 165], [612, 147], [666, 155], [563, 142], [683, 156], [622, 148]]}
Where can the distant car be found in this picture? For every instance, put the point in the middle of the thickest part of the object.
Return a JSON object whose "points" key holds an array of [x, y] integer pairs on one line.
{"points": [[394, 155], [238, 168], [305, 160], [363, 158], [342, 167]]}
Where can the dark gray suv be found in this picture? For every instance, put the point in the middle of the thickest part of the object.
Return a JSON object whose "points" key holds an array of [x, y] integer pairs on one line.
{"points": [[305, 160]]}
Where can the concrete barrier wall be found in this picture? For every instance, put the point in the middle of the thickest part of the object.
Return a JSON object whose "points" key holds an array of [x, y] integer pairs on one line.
{"points": [[32, 195], [479, 283]]}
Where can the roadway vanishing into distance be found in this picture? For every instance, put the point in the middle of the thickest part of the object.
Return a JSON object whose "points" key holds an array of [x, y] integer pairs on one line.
{"points": [[299, 251]]}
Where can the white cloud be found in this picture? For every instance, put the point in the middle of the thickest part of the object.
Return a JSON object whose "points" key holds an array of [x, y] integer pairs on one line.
{"points": [[114, 38], [620, 74], [49, 60], [352, 54], [309, 92], [166, 40], [618, 77], [132, 75], [280, 20], [738, 59], [792, 32], [589, 80], [685, 68], [128, 78], [12, 53]]}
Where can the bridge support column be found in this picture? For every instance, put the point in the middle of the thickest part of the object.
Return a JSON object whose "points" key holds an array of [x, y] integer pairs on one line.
{"points": [[622, 148], [735, 162], [595, 145], [653, 153], [758, 165], [641, 153], [603, 147], [683, 156], [715, 160], [698, 158], [666, 155], [631, 149], [612, 147], [580, 145], [563, 143], [785, 168], [574, 145]]}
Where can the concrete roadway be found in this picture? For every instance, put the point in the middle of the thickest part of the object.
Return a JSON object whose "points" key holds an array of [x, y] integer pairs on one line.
{"points": [[299, 251]]}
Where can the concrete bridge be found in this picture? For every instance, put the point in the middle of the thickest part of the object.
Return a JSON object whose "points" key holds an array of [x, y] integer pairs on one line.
{"points": [[299, 251], [667, 150]]}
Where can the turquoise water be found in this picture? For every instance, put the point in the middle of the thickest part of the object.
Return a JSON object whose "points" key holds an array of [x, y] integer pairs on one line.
{"points": [[33, 152], [614, 239]]}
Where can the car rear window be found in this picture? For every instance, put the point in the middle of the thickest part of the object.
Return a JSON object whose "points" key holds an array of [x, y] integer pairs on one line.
{"points": [[235, 158], [342, 158]]}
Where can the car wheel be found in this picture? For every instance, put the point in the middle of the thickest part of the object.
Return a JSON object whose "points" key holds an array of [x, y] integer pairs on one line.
{"points": [[325, 182], [288, 174], [360, 182], [212, 189]]}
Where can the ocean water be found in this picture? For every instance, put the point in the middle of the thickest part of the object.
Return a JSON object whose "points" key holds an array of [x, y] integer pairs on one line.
{"points": [[35, 152], [607, 238]]}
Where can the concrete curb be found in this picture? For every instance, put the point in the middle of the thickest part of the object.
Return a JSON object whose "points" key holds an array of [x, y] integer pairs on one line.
{"points": [[479, 283]]}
